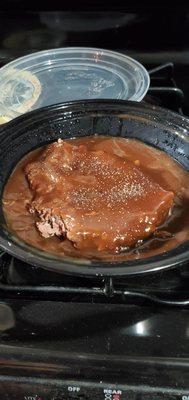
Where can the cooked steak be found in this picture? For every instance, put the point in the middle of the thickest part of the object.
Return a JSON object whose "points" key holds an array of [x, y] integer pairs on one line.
{"points": [[96, 198]]}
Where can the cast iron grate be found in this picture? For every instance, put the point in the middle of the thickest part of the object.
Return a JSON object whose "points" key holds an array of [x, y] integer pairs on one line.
{"points": [[165, 289], [163, 90]]}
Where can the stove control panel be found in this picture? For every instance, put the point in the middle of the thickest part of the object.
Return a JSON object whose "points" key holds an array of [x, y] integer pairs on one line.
{"points": [[39, 389]]}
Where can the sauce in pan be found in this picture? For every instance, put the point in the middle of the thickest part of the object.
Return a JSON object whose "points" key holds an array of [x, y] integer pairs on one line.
{"points": [[119, 199]]}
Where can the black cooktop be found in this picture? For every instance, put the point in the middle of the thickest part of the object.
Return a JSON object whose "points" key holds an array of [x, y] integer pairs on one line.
{"points": [[63, 337]]}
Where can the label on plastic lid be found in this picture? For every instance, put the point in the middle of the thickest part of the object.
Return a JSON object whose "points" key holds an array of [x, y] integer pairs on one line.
{"points": [[19, 90]]}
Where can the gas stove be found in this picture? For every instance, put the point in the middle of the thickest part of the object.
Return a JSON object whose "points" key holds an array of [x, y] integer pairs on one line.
{"points": [[65, 337]]}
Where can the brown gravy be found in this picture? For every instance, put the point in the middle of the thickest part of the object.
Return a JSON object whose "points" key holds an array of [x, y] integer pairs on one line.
{"points": [[159, 167]]}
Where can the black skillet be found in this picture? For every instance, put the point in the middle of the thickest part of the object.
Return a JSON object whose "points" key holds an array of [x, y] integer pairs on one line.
{"points": [[158, 127]]}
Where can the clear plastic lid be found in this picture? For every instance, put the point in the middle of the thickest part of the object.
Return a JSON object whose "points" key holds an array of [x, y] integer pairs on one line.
{"points": [[58, 75]]}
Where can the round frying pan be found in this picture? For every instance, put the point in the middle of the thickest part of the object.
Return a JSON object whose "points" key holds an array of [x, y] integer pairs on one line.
{"points": [[153, 125]]}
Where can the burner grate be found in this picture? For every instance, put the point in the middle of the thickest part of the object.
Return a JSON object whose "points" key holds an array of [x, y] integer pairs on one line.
{"points": [[104, 290], [163, 90]]}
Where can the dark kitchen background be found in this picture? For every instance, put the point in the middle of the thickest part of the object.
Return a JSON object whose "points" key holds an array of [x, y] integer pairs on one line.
{"points": [[152, 33]]}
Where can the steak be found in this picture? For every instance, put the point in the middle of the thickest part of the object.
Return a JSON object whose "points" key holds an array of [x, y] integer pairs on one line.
{"points": [[96, 198]]}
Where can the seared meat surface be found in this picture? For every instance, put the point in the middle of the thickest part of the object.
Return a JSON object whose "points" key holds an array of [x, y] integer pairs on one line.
{"points": [[94, 195]]}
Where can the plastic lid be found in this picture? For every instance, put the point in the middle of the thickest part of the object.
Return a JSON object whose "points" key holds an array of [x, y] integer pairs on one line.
{"points": [[58, 75]]}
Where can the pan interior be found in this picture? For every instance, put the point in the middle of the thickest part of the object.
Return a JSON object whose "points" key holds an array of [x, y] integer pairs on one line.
{"points": [[83, 119]]}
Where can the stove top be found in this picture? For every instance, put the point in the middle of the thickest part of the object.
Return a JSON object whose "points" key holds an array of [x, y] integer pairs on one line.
{"points": [[166, 287], [65, 337]]}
